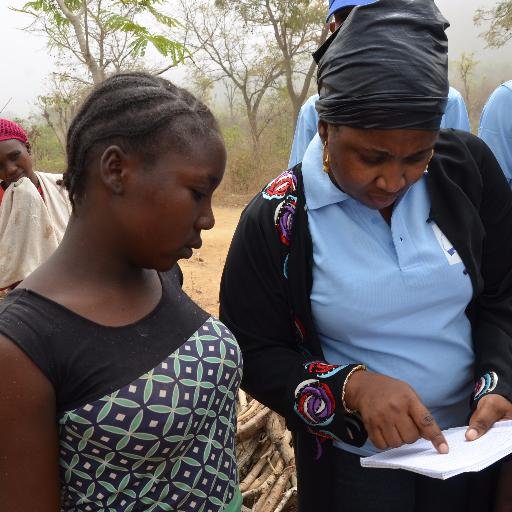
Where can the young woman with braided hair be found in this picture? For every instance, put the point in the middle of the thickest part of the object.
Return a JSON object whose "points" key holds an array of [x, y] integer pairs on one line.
{"points": [[125, 400]]}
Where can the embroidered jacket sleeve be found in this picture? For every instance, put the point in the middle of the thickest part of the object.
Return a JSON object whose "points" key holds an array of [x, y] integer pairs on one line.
{"points": [[255, 304]]}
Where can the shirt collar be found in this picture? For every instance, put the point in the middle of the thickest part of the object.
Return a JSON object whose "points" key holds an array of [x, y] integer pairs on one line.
{"points": [[318, 187]]}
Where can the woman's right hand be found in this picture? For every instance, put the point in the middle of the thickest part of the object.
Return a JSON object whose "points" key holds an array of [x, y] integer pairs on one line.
{"points": [[392, 412]]}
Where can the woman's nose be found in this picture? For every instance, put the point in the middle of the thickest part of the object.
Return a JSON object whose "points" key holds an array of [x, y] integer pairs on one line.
{"points": [[392, 180], [11, 170], [206, 220]]}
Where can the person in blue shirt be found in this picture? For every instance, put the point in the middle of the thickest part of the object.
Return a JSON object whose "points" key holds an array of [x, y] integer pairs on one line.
{"points": [[496, 126], [370, 288], [455, 116]]}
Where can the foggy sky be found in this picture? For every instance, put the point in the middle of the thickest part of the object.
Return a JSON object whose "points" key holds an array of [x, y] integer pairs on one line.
{"points": [[27, 62]]}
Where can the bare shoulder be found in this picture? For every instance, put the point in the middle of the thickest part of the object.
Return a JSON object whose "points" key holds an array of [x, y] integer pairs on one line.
{"points": [[20, 372], [29, 453]]}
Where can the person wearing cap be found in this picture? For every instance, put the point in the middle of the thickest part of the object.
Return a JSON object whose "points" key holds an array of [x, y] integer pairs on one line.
{"points": [[34, 208], [370, 286], [496, 126], [456, 114]]}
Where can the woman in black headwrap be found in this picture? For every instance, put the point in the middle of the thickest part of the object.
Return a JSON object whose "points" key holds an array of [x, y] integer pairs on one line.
{"points": [[370, 286]]}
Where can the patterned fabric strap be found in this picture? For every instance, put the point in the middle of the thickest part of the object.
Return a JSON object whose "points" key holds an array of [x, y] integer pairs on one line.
{"points": [[485, 385], [318, 401]]}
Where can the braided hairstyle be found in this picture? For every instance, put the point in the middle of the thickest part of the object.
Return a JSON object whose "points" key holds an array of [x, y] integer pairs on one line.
{"points": [[139, 112]]}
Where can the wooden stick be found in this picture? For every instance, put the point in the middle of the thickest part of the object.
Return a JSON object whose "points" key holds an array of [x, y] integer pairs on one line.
{"points": [[249, 428], [269, 502], [261, 460], [264, 482], [249, 411], [282, 439], [242, 398], [287, 495], [245, 451]]}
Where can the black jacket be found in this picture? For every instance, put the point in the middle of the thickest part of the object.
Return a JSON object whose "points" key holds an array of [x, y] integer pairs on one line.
{"points": [[267, 282]]}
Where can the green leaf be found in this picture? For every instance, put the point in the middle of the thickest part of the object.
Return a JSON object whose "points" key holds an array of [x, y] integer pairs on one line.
{"points": [[114, 430], [191, 462], [135, 424], [108, 486], [163, 378], [104, 411], [161, 409], [182, 486], [148, 390], [144, 436], [124, 402]]}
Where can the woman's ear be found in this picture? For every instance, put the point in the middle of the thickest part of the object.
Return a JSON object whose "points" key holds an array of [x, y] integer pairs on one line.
{"points": [[322, 130], [114, 163]]}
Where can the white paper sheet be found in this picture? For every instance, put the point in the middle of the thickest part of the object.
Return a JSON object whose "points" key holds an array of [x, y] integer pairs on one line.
{"points": [[464, 456]]}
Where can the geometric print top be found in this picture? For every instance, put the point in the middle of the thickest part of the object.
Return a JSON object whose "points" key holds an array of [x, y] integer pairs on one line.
{"points": [[145, 412], [163, 442]]}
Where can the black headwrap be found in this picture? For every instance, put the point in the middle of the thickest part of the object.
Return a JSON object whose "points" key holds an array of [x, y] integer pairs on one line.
{"points": [[386, 67]]}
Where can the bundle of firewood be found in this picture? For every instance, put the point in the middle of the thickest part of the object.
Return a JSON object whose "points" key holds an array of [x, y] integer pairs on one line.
{"points": [[266, 461]]}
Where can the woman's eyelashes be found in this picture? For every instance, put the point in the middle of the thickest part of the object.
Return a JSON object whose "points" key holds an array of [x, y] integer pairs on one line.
{"points": [[416, 159], [197, 194], [379, 159], [372, 158], [12, 157]]}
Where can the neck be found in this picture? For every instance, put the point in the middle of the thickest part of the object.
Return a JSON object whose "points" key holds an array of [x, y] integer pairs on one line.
{"points": [[387, 213], [88, 253]]}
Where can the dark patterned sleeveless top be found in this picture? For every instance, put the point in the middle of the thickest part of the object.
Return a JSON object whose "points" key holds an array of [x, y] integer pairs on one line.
{"points": [[146, 412]]}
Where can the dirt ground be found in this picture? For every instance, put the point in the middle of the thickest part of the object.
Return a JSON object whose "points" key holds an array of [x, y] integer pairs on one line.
{"points": [[202, 272]]}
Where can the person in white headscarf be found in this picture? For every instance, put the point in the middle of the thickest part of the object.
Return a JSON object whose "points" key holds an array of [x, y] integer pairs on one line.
{"points": [[34, 208]]}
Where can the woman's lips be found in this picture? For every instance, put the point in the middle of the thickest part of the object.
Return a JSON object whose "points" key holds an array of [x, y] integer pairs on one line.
{"points": [[383, 200], [14, 180]]}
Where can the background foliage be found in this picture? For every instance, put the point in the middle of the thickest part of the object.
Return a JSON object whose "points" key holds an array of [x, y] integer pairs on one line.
{"points": [[248, 59]]}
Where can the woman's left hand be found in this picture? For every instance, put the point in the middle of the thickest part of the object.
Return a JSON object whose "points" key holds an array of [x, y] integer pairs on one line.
{"points": [[490, 409]]}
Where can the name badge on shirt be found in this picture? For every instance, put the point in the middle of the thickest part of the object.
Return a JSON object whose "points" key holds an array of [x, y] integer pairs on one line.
{"points": [[449, 251]]}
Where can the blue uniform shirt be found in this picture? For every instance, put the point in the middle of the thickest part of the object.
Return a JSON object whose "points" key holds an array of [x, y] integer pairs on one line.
{"points": [[456, 116], [390, 296], [496, 126]]}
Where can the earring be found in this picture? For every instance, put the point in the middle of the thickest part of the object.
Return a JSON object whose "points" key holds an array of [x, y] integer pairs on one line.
{"points": [[326, 166], [430, 158]]}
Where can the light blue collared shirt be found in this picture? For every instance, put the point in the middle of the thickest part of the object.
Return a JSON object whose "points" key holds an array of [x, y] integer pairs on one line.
{"points": [[496, 126], [456, 116], [390, 296]]}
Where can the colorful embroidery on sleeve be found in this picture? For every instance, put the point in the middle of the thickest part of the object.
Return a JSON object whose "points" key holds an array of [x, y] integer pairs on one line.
{"points": [[323, 370], [300, 330], [283, 187], [284, 184], [284, 217], [485, 384], [314, 400]]}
